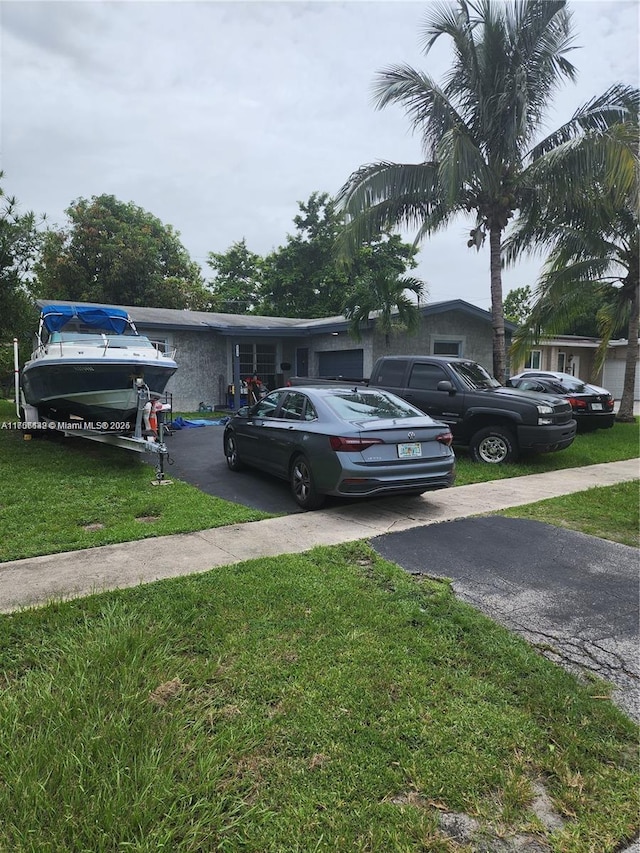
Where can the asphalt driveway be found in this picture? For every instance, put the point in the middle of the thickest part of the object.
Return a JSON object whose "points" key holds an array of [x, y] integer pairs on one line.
{"points": [[196, 456], [573, 596]]}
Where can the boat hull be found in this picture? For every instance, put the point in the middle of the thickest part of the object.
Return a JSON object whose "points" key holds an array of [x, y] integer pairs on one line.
{"points": [[95, 391]]}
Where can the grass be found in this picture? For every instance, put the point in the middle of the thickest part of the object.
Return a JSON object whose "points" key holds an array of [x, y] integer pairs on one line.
{"points": [[60, 494], [611, 512], [315, 702], [108, 496]]}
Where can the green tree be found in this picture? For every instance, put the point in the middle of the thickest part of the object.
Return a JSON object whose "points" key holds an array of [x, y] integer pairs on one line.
{"points": [[590, 226], [517, 305], [302, 278], [387, 296], [306, 278], [19, 244], [116, 252], [237, 284], [477, 129]]}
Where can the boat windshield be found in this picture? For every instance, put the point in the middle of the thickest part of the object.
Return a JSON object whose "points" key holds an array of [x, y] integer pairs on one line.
{"points": [[118, 341]]}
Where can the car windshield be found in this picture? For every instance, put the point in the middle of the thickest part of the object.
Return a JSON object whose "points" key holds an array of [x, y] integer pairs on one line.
{"points": [[361, 405], [473, 375]]}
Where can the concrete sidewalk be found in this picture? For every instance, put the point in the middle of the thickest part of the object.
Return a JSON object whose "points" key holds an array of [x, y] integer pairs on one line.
{"points": [[25, 583]]}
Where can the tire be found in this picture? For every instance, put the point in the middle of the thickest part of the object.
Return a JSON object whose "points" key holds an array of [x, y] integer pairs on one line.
{"points": [[494, 446], [303, 488], [231, 453]]}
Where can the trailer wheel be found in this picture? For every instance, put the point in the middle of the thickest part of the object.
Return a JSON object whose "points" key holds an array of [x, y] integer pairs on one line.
{"points": [[493, 445]]}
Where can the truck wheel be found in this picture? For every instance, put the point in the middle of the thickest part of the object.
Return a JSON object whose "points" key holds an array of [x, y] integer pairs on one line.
{"points": [[231, 453], [495, 445], [303, 488]]}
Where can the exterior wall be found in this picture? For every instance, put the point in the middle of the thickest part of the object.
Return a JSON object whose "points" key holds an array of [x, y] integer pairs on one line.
{"points": [[474, 335], [202, 365]]}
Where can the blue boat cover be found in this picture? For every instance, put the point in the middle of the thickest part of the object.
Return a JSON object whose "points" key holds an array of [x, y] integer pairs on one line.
{"points": [[56, 317]]}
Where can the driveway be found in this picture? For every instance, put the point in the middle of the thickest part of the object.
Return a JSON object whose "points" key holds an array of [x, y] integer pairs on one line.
{"points": [[573, 596], [196, 456]]}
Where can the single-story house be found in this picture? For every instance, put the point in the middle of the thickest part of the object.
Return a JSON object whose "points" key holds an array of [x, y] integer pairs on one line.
{"points": [[214, 351], [576, 355]]}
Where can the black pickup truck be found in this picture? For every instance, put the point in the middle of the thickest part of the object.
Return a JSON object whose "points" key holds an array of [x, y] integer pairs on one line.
{"points": [[494, 422]]}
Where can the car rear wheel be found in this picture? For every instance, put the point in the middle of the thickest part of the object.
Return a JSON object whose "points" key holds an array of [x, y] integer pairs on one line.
{"points": [[303, 488], [231, 453], [494, 445]]}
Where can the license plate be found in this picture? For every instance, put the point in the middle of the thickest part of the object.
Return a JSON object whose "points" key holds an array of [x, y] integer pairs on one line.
{"points": [[596, 407], [409, 451]]}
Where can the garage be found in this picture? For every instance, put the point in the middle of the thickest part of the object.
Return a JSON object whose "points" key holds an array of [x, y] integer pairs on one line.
{"points": [[613, 378], [346, 363]]}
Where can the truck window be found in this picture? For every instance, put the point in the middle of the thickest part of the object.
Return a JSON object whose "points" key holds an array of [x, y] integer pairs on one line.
{"points": [[391, 373], [426, 376]]}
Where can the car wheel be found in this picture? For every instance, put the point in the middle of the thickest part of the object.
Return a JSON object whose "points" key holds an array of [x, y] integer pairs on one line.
{"points": [[231, 453], [303, 488], [494, 445]]}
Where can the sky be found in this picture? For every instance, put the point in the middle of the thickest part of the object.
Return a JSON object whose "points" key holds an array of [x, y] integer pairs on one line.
{"points": [[220, 117]]}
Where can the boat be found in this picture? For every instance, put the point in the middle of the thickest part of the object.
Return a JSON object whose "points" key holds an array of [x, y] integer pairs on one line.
{"points": [[89, 363]]}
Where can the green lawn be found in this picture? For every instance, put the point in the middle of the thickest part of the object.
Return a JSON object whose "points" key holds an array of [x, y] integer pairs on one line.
{"points": [[316, 702]]}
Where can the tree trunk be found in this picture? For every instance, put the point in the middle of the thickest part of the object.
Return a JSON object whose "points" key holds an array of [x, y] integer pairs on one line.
{"points": [[625, 412], [497, 310]]}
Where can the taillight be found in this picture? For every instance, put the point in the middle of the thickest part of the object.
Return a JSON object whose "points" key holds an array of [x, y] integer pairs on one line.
{"points": [[609, 404], [352, 443], [577, 404], [445, 438]]}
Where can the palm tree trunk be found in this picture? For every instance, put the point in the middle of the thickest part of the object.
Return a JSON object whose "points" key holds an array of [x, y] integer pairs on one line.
{"points": [[625, 412], [497, 310]]}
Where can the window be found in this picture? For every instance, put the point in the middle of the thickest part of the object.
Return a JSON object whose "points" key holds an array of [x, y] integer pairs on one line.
{"points": [[259, 359], [534, 359], [562, 361], [297, 407], [266, 408], [392, 373], [451, 348], [426, 376]]}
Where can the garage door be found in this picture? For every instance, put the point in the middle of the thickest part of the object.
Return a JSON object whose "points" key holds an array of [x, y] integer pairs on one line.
{"points": [[347, 363], [613, 378]]}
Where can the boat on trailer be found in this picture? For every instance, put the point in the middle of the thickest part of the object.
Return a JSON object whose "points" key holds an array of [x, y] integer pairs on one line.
{"points": [[89, 363]]}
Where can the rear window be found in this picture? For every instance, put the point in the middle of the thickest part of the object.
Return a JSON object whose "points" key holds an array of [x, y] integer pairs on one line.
{"points": [[362, 405]]}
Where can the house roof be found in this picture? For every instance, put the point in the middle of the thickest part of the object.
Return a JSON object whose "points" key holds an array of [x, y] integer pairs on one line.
{"points": [[170, 319]]}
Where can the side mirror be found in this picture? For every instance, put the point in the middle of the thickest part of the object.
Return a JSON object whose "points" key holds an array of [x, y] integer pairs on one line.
{"points": [[445, 385], [243, 412]]}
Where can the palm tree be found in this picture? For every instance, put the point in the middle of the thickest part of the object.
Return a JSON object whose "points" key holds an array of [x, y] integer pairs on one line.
{"points": [[477, 129], [387, 295], [590, 223]]}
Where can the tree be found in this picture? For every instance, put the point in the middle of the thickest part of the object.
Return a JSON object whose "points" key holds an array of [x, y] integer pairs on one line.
{"points": [[19, 242], [302, 278], [477, 130], [116, 252], [386, 294], [590, 225], [517, 305], [306, 277], [237, 283]]}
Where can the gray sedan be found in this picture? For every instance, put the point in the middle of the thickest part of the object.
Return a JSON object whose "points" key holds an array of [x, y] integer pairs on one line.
{"points": [[340, 440]]}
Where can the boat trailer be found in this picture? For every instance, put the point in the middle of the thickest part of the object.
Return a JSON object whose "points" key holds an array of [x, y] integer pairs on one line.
{"points": [[144, 438]]}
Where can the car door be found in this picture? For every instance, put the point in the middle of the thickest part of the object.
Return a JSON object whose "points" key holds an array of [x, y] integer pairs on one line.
{"points": [[422, 391], [255, 435]]}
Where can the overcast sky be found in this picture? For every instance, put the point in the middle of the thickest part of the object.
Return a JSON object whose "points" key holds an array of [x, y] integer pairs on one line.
{"points": [[218, 117]]}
